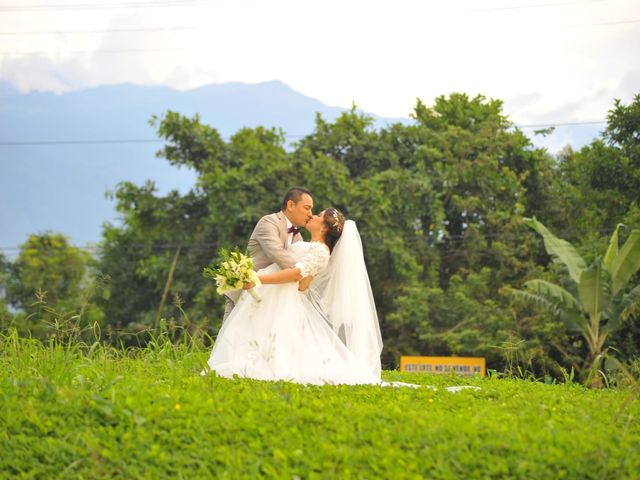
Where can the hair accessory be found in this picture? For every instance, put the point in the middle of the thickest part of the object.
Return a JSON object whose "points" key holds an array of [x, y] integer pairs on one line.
{"points": [[336, 219]]}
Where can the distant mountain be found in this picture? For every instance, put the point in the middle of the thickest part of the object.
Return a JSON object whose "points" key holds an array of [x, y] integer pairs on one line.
{"points": [[61, 187]]}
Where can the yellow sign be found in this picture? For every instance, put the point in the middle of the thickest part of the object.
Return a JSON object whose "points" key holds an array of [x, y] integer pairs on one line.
{"points": [[439, 365]]}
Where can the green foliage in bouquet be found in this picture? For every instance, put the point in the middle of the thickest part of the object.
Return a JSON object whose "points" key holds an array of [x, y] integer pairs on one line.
{"points": [[234, 270]]}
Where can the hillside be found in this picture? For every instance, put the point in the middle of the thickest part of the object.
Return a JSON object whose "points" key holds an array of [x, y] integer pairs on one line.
{"points": [[74, 412]]}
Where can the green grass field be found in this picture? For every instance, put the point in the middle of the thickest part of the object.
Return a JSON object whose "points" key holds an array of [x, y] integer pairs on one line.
{"points": [[97, 412]]}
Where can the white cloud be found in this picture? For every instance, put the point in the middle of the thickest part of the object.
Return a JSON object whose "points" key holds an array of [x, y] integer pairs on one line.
{"points": [[549, 63]]}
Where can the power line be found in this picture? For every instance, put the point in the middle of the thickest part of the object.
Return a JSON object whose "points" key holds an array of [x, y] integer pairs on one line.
{"points": [[190, 3], [605, 23], [412, 239], [563, 124], [157, 140], [81, 142], [537, 5], [81, 52], [132, 30], [100, 6], [165, 29], [114, 30]]}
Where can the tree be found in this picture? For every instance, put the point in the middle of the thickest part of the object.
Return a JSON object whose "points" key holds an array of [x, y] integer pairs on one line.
{"points": [[49, 281], [153, 262], [598, 300], [47, 262], [155, 259], [623, 131], [5, 316], [438, 204], [600, 190], [602, 180]]}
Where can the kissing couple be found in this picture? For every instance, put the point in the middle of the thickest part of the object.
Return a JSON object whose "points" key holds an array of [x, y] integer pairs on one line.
{"points": [[317, 321]]}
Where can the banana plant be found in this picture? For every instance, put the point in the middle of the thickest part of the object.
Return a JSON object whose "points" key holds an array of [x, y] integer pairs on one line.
{"points": [[602, 298]]}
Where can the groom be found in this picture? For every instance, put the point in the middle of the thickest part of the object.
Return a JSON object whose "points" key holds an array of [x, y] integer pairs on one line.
{"points": [[274, 233]]}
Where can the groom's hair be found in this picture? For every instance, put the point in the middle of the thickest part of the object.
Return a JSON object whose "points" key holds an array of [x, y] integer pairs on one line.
{"points": [[294, 194]]}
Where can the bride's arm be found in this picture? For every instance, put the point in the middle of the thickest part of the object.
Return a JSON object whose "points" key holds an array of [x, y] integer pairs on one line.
{"points": [[303, 270], [283, 276]]}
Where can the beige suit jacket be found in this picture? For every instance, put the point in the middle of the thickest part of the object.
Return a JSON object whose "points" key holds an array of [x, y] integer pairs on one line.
{"points": [[268, 244]]}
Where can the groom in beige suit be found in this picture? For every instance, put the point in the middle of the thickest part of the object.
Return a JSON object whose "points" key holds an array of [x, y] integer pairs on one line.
{"points": [[274, 233]]}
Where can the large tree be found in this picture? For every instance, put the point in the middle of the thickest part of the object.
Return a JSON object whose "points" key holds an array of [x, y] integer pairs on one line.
{"points": [[155, 260], [438, 202], [603, 178], [601, 190], [153, 264]]}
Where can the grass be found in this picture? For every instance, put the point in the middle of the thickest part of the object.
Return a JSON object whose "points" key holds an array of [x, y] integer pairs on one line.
{"points": [[92, 411]]}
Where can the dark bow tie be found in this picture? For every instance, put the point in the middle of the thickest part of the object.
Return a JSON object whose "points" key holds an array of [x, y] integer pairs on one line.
{"points": [[293, 230]]}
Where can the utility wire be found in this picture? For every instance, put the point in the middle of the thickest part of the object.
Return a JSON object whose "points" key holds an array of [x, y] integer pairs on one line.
{"points": [[408, 238], [90, 52], [189, 3], [160, 29], [114, 30], [537, 5], [563, 124], [81, 142], [158, 140], [620, 22], [100, 6]]}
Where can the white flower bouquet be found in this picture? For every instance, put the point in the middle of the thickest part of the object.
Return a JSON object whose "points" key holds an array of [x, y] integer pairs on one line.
{"points": [[233, 272]]}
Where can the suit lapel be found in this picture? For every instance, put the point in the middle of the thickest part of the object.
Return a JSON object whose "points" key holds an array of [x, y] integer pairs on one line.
{"points": [[283, 228]]}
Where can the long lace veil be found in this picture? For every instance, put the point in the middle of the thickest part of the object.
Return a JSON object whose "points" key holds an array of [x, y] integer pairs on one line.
{"points": [[345, 295]]}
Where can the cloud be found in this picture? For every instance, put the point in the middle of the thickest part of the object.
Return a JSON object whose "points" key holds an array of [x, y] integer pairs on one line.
{"points": [[514, 104], [189, 76], [167, 57], [629, 86], [42, 73], [381, 57], [593, 106]]}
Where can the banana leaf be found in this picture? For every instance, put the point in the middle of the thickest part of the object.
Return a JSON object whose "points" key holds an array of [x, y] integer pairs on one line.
{"points": [[560, 250], [627, 262], [594, 289]]}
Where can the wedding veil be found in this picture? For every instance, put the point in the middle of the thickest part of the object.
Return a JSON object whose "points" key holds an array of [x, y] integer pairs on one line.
{"points": [[345, 296]]}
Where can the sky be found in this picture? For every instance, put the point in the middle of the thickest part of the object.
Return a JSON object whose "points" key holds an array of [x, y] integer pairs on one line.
{"points": [[551, 61]]}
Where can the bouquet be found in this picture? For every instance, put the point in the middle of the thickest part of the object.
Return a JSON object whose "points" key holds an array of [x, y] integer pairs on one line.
{"points": [[233, 272]]}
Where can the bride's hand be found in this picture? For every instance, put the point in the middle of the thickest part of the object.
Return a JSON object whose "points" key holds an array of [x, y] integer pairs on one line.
{"points": [[304, 283], [248, 286]]}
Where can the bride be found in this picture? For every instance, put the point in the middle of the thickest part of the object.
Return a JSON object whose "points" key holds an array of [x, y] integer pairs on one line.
{"points": [[316, 323]]}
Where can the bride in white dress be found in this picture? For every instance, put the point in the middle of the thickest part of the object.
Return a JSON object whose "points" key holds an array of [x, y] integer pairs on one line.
{"points": [[316, 323]]}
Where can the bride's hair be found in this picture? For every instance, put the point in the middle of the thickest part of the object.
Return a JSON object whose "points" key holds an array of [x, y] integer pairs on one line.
{"points": [[334, 220]]}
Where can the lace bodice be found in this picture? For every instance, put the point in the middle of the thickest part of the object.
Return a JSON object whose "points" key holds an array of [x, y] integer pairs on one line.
{"points": [[313, 257]]}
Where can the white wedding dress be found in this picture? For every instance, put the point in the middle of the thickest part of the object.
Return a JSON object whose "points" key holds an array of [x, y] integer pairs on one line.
{"points": [[290, 335]]}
